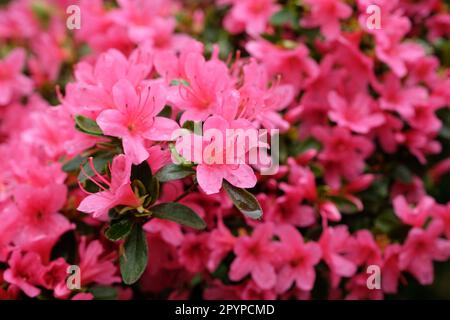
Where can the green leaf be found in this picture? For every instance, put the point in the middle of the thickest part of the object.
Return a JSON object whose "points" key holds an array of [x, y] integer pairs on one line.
{"points": [[134, 259], [119, 229], [173, 172], [179, 213], [104, 293], [166, 112], [87, 125], [305, 145], [143, 173], [284, 17], [73, 164], [387, 221], [99, 165], [244, 201], [154, 191]]}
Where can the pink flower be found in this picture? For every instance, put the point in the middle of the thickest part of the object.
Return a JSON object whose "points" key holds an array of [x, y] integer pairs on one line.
{"points": [[360, 115], [329, 211], [221, 242], [145, 20], [421, 144], [421, 248], [438, 26], [390, 270], [326, 15], [284, 210], [38, 223], [397, 55], [423, 118], [299, 259], [169, 231], [54, 277], [250, 15], [301, 183], [417, 216], [364, 250], [401, 99], [358, 290], [12, 82], [334, 243], [134, 118], [25, 271], [254, 256], [211, 152], [259, 103], [413, 191], [252, 291], [194, 252], [208, 83], [83, 296], [389, 134], [294, 65], [96, 264], [93, 91], [119, 190], [442, 212], [343, 154]]}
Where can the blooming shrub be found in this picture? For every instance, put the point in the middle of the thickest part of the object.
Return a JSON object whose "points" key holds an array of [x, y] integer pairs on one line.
{"points": [[103, 166]]}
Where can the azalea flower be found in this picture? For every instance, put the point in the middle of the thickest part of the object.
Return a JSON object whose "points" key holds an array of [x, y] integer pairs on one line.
{"points": [[326, 15], [254, 255], [119, 191], [96, 264], [334, 243], [359, 116], [421, 248], [213, 153], [25, 271], [135, 119], [417, 216], [299, 260], [12, 82], [250, 15]]}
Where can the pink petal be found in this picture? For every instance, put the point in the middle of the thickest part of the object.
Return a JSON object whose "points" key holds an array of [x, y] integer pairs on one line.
{"points": [[163, 129], [209, 178], [241, 177]]}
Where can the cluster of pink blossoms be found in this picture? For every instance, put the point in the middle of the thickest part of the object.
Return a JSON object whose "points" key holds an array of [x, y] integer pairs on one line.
{"points": [[87, 148]]}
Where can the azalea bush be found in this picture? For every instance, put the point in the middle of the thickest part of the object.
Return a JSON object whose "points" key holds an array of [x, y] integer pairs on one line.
{"points": [[107, 168]]}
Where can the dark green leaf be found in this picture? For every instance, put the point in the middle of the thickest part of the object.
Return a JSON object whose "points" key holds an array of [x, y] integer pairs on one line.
{"points": [[165, 112], [119, 229], [190, 125], [403, 174], [154, 191], [143, 173], [134, 259], [87, 125], [179, 213], [387, 222], [103, 293], [244, 201], [173, 172], [74, 164]]}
